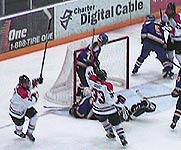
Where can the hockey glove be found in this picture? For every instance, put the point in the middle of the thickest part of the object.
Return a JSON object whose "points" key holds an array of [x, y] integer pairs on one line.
{"points": [[34, 96], [165, 46], [40, 80], [175, 93]]}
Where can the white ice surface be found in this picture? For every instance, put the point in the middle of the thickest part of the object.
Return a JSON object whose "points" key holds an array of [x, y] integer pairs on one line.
{"points": [[59, 131]]}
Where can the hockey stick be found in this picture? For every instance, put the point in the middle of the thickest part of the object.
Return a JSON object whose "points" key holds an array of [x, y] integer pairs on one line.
{"points": [[161, 15], [138, 92], [56, 108], [46, 43], [175, 64]]}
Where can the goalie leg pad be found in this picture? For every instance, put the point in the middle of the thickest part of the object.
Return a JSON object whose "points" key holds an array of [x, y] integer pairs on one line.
{"points": [[149, 106], [138, 109]]}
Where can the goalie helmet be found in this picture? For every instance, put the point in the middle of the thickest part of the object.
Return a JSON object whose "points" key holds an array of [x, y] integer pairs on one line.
{"points": [[103, 38], [150, 17], [171, 9], [102, 75], [24, 81]]}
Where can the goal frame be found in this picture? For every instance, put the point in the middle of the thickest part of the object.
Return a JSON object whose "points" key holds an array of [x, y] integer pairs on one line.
{"points": [[127, 81]]}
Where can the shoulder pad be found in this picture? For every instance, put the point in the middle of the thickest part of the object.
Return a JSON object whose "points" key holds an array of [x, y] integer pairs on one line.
{"points": [[22, 92], [109, 86], [93, 78]]}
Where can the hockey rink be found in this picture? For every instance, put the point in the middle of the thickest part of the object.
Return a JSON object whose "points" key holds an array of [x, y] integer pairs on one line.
{"points": [[59, 131]]}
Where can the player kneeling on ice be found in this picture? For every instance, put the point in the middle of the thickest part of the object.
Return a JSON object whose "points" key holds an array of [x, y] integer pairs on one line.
{"points": [[152, 38], [177, 93], [21, 105]]}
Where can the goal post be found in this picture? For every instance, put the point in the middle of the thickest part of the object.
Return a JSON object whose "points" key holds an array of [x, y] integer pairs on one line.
{"points": [[114, 58]]}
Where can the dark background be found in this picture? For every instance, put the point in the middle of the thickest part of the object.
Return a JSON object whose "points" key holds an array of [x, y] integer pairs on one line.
{"points": [[8, 7]]}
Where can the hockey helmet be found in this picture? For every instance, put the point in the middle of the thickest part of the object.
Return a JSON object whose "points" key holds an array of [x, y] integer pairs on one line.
{"points": [[171, 9], [150, 17], [24, 81], [102, 75], [103, 38]]}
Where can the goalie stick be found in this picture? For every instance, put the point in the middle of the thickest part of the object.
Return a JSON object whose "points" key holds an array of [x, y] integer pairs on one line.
{"points": [[56, 108], [46, 43], [138, 92]]}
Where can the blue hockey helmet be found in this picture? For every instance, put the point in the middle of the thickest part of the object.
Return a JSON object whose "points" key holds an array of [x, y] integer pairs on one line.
{"points": [[103, 38], [150, 17]]}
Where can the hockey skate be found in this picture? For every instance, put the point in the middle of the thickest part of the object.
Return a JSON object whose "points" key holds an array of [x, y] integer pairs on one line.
{"points": [[173, 125], [30, 137], [135, 70], [110, 134], [22, 135], [123, 140]]}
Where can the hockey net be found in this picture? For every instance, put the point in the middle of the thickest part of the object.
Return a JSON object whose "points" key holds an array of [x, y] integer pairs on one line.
{"points": [[114, 58]]}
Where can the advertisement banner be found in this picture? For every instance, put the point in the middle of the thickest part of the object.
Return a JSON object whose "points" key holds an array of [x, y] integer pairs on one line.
{"points": [[84, 15], [26, 30], [157, 4]]}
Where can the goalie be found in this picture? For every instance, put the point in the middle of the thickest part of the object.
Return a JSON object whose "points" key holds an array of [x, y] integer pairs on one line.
{"points": [[83, 108]]}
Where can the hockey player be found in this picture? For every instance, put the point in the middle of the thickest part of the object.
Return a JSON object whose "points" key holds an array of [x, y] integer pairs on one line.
{"points": [[104, 105], [172, 21], [87, 57], [153, 40], [177, 93], [83, 108], [21, 105]]}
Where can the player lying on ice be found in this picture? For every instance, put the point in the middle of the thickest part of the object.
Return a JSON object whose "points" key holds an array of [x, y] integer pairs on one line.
{"points": [[102, 104], [83, 107]]}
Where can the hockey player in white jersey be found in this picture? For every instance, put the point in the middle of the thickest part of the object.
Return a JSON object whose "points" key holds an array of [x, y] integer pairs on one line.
{"points": [[172, 22], [21, 105], [104, 105]]}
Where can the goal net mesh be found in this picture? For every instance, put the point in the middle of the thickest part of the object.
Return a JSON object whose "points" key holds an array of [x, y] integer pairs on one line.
{"points": [[114, 58]]}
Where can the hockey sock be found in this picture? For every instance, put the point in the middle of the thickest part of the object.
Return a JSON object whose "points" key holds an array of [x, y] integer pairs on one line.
{"points": [[119, 130], [19, 129], [107, 126], [177, 115], [32, 124]]}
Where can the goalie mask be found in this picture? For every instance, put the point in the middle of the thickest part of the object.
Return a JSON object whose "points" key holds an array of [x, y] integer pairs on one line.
{"points": [[24, 81]]}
